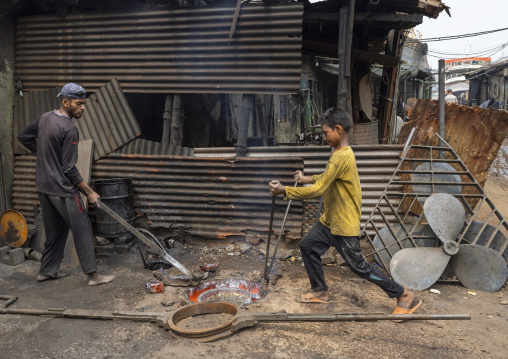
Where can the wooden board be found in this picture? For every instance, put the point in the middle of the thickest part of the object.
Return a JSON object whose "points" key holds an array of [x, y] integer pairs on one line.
{"points": [[84, 166]]}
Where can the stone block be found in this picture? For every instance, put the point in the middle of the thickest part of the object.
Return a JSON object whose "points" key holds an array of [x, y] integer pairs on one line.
{"points": [[105, 251], [12, 256]]}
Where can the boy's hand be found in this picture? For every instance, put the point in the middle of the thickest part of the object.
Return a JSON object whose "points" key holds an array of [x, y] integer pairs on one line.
{"points": [[276, 188], [299, 177]]}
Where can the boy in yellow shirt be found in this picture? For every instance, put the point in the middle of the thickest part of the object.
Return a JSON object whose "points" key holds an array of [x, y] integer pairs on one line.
{"points": [[339, 226]]}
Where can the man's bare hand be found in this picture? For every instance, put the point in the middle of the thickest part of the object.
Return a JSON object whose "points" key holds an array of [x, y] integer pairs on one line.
{"points": [[276, 188], [94, 198]]}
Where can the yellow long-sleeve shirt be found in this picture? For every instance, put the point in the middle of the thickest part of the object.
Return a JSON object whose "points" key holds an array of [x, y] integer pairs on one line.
{"points": [[340, 186]]}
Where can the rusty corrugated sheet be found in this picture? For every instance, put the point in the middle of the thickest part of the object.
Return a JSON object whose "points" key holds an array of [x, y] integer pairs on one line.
{"points": [[212, 198], [366, 133], [209, 197], [24, 194], [144, 147], [177, 50], [476, 134], [108, 120], [376, 164], [27, 109]]}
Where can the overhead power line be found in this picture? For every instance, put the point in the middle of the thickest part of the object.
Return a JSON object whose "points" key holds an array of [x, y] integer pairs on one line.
{"points": [[454, 37]]}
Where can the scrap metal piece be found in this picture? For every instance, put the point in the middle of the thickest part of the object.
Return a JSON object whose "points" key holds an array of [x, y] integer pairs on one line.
{"points": [[418, 268], [13, 228], [425, 177], [479, 268], [485, 231], [446, 216]]}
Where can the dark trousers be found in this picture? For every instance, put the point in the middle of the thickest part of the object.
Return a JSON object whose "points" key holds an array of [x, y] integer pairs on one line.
{"points": [[61, 214], [317, 242]]}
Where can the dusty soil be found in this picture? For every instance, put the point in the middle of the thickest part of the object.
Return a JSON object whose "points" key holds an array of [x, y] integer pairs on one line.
{"points": [[485, 336]]}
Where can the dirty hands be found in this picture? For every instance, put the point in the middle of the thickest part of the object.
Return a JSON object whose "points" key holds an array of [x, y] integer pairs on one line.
{"points": [[94, 198], [276, 188]]}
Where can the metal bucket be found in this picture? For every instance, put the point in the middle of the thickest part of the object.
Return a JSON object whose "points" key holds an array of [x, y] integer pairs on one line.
{"points": [[116, 194]]}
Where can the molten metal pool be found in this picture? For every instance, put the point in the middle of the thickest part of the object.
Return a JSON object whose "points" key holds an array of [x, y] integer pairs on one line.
{"points": [[237, 291]]}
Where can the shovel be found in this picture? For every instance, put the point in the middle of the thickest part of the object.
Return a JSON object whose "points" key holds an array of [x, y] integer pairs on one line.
{"points": [[149, 243]]}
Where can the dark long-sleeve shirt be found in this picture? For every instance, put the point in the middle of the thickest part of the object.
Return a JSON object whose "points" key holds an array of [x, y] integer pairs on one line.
{"points": [[54, 139]]}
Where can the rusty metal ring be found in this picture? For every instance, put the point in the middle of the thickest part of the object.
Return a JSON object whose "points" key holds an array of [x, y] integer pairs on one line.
{"points": [[200, 309]]}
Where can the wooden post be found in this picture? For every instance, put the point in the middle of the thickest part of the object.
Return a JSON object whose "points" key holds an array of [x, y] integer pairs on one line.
{"points": [[176, 122], [387, 91], [346, 23], [166, 116]]}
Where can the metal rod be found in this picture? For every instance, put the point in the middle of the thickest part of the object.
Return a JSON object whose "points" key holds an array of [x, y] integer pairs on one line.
{"points": [[353, 317], [441, 89], [265, 268], [280, 236]]}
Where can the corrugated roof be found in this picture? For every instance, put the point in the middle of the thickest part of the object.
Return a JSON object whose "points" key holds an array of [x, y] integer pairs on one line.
{"points": [[177, 50]]}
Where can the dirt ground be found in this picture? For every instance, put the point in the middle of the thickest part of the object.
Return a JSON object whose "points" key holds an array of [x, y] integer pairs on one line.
{"points": [[485, 336]]}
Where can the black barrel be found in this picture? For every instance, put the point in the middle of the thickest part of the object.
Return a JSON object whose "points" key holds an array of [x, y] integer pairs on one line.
{"points": [[115, 193]]}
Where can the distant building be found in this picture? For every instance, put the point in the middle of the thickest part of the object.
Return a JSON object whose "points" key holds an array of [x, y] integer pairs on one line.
{"points": [[455, 74]]}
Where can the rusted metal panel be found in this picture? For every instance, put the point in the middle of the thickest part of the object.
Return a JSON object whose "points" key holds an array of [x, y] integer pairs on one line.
{"points": [[375, 163], [366, 133], [476, 134], [176, 50], [27, 109], [108, 120], [209, 197], [144, 147], [24, 194]]}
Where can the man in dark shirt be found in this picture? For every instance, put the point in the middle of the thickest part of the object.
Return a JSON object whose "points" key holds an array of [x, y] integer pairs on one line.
{"points": [[54, 139]]}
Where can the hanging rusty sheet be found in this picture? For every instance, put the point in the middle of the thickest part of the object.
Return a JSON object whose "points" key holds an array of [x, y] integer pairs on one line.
{"points": [[375, 163], [144, 147], [108, 119], [177, 50]]}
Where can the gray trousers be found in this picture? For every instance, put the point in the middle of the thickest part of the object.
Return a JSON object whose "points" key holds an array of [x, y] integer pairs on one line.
{"points": [[61, 214]]}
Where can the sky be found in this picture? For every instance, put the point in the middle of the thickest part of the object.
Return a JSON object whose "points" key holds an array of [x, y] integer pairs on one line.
{"points": [[468, 16]]}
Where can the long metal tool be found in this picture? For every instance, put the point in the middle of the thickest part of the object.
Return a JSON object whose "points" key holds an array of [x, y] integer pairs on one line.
{"points": [[269, 269], [154, 247], [265, 273]]}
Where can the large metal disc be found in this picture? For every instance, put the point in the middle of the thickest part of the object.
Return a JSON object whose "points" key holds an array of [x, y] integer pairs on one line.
{"points": [[446, 216], [418, 268], [13, 228], [390, 243], [480, 268], [426, 177]]}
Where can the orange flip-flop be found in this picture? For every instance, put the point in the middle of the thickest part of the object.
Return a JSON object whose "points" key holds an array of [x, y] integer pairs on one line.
{"points": [[310, 298], [414, 306]]}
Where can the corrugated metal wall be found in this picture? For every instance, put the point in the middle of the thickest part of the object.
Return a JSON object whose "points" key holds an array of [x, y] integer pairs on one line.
{"points": [[144, 147], [210, 197], [108, 119], [375, 163], [27, 109], [179, 50]]}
